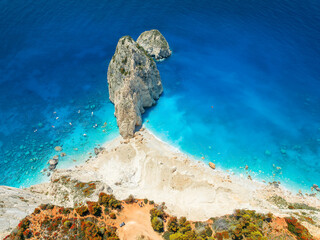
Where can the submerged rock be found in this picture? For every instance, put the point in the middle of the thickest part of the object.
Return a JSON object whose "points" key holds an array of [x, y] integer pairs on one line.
{"points": [[58, 148], [134, 83], [155, 44]]}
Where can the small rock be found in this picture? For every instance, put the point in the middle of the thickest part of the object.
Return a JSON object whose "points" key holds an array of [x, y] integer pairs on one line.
{"points": [[52, 167], [53, 162], [63, 154], [96, 151], [55, 157], [212, 165], [315, 186], [109, 189], [249, 177], [58, 148], [246, 167]]}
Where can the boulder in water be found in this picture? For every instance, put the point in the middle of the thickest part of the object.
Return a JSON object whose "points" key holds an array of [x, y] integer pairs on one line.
{"points": [[134, 83], [155, 44]]}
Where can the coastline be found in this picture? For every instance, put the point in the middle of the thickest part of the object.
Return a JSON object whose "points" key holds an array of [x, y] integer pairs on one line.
{"points": [[260, 178], [122, 166], [148, 167]]}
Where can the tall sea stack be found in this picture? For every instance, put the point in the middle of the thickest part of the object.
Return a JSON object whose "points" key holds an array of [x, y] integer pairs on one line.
{"points": [[134, 83]]}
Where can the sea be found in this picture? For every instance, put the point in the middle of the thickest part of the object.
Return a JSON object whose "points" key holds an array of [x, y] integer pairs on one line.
{"points": [[241, 88]]}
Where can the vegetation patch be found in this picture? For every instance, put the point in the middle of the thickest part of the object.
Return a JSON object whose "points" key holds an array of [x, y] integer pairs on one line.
{"points": [[297, 229]]}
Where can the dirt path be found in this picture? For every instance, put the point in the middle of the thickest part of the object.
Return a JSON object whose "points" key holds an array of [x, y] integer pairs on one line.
{"points": [[137, 223]]}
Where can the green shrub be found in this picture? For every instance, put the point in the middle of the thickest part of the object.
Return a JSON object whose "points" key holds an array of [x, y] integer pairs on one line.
{"points": [[67, 224], [173, 224], [297, 229], [109, 201], [130, 199], [166, 235], [37, 211], [155, 212], [157, 224], [94, 208], [82, 210]]}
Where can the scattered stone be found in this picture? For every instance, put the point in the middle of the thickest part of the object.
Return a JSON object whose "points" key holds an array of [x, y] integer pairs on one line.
{"points": [[316, 187], [52, 167], [212, 165], [53, 162], [173, 169], [155, 44], [55, 157], [96, 151], [275, 184], [246, 167], [109, 189], [58, 148], [249, 177], [63, 154]]}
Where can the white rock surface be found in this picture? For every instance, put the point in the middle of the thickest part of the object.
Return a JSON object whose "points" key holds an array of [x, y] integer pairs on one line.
{"points": [[15, 204], [134, 83], [155, 44]]}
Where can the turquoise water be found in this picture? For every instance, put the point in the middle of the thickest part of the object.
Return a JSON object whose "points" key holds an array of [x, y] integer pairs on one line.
{"points": [[241, 88]]}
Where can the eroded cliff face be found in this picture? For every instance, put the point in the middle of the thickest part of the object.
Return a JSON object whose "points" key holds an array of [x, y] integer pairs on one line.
{"points": [[134, 83], [155, 44]]}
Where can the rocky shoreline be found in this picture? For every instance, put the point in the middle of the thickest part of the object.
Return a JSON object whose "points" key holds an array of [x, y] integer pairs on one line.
{"points": [[146, 167]]}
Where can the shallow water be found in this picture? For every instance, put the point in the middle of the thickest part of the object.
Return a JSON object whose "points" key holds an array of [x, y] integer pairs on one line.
{"points": [[242, 86]]}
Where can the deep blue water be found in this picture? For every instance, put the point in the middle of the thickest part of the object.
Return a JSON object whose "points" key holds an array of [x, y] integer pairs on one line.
{"points": [[242, 86]]}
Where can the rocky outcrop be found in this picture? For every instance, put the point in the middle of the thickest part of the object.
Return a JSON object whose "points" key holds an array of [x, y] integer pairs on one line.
{"points": [[134, 83], [155, 44], [15, 204]]}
